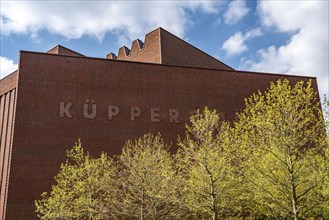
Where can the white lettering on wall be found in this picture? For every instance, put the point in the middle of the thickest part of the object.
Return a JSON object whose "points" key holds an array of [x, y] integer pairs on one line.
{"points": [[90, 105], [64, 110], [173, 116], [154, 114], [113, 111], [134, 112]]}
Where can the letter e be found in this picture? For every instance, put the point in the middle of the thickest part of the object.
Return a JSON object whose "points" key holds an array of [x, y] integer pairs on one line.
{"points": [[155, 115]]}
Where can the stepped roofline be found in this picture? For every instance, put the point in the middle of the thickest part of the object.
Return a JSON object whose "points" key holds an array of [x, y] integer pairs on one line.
{"points": [[162, 47]]}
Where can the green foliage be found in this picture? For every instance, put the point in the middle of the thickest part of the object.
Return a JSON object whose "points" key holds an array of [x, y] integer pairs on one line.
{"points": [[272, 164], [80, 191], [325, 109], [325, 190], [210, 183], [147, 180], [285, 137]]}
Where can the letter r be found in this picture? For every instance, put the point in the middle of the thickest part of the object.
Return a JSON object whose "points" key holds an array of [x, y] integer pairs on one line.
{"points": [[173, 116]]}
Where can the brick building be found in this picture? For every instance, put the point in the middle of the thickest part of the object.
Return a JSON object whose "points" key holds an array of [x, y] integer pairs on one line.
{"points": [[55, 98]]}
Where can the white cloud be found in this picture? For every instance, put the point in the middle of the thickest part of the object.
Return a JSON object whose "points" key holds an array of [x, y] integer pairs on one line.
{"points": [[235, 45], [237, 9], [7, 66], [306, 53], [290, 15], [73, 19], [253, 33]]}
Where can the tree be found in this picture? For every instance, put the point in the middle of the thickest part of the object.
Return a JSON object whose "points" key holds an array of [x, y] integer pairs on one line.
{"points": [[325, 208], [325, 109], [283, 132], [82, 188], [147, 180], [207, 168], [274, 163]]}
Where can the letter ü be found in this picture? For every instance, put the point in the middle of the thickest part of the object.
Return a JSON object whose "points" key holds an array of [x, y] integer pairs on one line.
{"points": [[93, 106]]}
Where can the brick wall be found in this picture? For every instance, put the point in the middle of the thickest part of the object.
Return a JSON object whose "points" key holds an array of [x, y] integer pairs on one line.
{"points": [[177, 52], [7, 106], [149, 52], [46, 124], [8, 83]]}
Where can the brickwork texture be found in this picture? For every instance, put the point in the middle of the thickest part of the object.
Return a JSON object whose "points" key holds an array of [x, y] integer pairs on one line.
{"points": [[56, 98]]}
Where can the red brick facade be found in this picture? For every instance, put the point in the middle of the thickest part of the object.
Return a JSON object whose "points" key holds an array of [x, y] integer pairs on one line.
{"points": [[62, 97]]}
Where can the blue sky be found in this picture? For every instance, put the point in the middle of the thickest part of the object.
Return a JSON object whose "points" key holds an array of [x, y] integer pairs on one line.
{"points": [[264, 36]]}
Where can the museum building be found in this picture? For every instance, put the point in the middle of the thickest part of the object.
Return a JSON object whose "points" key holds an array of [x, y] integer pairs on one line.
{"points": [[58, 97]]}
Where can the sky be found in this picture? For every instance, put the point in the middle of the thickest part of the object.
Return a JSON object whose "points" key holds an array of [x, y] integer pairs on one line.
{"points": [[288, 37]]}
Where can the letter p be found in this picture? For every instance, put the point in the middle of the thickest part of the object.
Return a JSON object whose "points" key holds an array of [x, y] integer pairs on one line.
{"points": [[134, 113], [113, 111]]}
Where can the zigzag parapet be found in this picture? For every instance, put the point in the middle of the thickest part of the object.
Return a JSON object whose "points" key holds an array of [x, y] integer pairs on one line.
{"points": [[136, 50], [148, 52], [163, 47]]}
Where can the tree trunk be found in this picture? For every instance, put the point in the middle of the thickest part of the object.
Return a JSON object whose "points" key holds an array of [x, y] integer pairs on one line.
{"points": [[142, 206], [213, 196], [213, 215], [294, 201], [154, 212]]}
